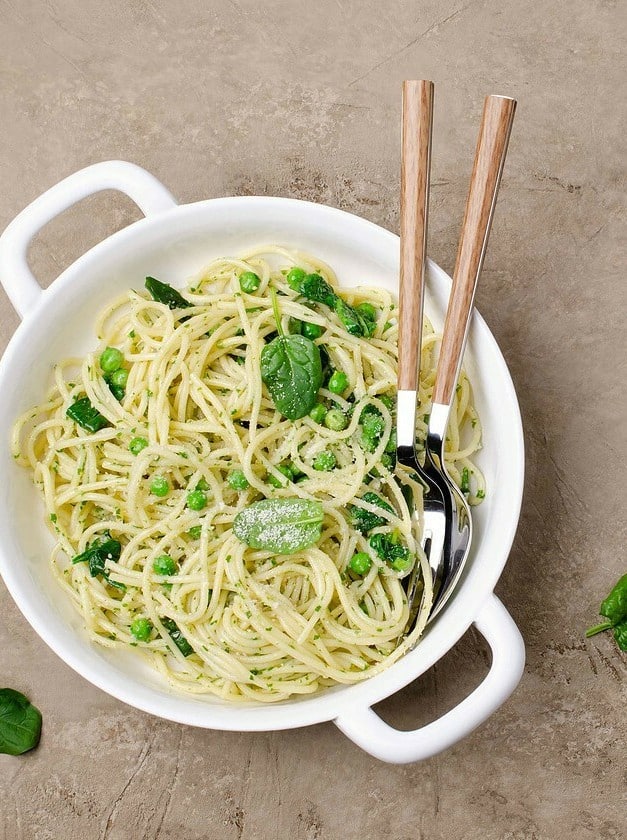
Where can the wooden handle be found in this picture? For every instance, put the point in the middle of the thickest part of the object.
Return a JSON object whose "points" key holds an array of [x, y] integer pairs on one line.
{"points": [[496, 124], [415, 166]]}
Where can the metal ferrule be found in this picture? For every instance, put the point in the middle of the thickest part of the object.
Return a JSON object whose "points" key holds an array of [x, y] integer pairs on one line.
{"points": [[436, 433]]}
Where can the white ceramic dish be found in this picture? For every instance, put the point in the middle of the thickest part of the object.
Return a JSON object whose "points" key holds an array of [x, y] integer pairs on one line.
{"points": [[172, 243]]}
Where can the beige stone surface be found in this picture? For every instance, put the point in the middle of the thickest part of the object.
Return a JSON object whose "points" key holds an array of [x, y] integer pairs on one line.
{"points": [[302, 99]]}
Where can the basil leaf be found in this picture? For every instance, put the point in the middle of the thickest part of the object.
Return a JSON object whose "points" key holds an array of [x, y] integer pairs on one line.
{"points": [[283, 526], [20, 723], [291, 368]]}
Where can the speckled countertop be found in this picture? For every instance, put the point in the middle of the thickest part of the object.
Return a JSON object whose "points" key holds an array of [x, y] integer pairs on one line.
{"points": [[302, 99]]}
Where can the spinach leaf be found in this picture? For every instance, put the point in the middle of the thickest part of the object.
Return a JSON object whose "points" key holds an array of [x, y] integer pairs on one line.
{"points": [[364, 520], [177, 637], [88, 417], [292, 371], [20, 723], [96, 555], [614, 609], [327, 369], [118, 391], [291, 368], [354, 321], [372, 424], [620, 634], [283, 526], [390, 548], [163, 293], [314, 287]]}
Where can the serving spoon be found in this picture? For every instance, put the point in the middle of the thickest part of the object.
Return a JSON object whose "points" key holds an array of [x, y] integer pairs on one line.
{"points": [[496, 124]]}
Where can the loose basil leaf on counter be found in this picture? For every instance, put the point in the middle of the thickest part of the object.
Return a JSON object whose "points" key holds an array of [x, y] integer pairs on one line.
{"points": [[283, 526], [163, 293], [88, 417], [291, 369], [20, 723]]}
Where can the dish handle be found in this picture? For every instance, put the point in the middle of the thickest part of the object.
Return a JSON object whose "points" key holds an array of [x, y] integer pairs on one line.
{"points": [[143, 188], [368, 731]]}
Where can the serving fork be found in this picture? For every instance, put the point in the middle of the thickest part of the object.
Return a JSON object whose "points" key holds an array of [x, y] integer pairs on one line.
{"points": [[446, 522]]}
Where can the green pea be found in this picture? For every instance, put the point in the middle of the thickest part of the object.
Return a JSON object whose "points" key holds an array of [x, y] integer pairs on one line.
{"points": [[119, 378], [368, 311], [318, 413], [400, 564], [196, 500], [338, 382], [360, 563], [335, 420], [111, 359], [141, 628], [137, 444], [311, 331], [294, 276], [388, 460], [164, 565], [202, 485], [160, 486], [324, 461], [249, 282], [285, 470], [238, 481], [195, 531]]}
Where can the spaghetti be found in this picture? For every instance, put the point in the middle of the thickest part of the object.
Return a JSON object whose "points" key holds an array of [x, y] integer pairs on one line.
{"points": [[190, 440]]}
